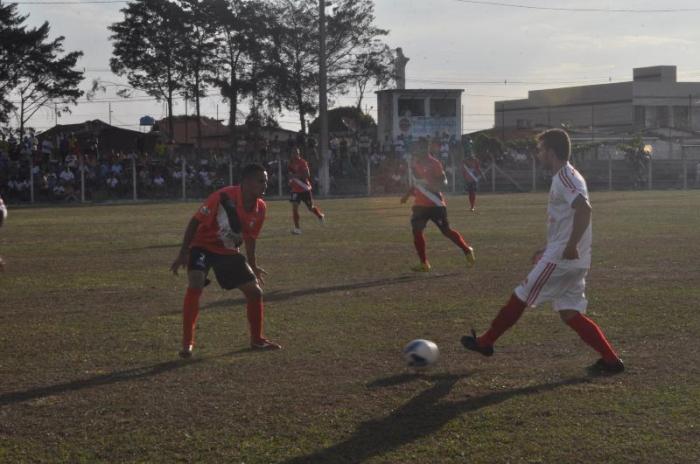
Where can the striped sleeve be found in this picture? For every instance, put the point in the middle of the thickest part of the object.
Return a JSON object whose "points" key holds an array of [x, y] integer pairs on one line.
{"points": [[571, 185]]}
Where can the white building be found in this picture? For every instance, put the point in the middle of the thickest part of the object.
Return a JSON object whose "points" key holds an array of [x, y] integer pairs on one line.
{"points": [[652, 100]]}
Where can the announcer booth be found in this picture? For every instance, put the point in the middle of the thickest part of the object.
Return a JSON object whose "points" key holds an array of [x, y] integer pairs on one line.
{"points": [[406, 115]]}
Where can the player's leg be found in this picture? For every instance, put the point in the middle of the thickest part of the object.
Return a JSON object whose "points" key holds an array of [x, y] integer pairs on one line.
{"points": [[419, 220], [196, 278], [255, 312], [439, 217], [471, 186], [296, 230], [571, 306], [309, 202], [535, 289]]}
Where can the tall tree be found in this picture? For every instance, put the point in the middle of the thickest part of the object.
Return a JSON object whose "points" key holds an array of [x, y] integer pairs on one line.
{"points": [[147, 49], [33, 68], [374, 64], [242, 56], [350, 32], [197, 63]]}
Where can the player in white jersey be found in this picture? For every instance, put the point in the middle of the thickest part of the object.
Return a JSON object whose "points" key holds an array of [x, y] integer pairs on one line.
{"points": [[559, 274]]}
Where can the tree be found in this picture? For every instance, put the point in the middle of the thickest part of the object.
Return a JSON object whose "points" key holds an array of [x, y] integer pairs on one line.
{"points": [[335, 120], [376, 63], [33, 68], [350, 33], [147, 49], [199, 45], [242, 56]]}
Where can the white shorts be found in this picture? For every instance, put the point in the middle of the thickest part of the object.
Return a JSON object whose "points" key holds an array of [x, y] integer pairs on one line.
{"points": [[564, 287]]}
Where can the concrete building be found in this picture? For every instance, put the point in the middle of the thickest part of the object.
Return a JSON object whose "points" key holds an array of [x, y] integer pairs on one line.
{"points": [[654, 99], [415, 113]]}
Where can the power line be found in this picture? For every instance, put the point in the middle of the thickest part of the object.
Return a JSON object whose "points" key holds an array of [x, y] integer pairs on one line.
{"points": [[580, 10], [75, 2]]}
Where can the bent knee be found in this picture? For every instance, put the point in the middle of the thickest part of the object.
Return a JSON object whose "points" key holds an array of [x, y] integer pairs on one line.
{"points": [[567, 314]]}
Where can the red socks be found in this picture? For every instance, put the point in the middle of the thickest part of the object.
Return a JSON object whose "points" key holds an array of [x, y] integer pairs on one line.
{"points": [[506, 317], [457, 239], [419, 242], [254, 308], [190, 312], [472, 199], [591, 334], [316, 211]]}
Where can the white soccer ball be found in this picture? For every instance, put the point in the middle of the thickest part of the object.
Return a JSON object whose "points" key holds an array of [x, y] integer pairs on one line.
{"points": [[421, 353]]}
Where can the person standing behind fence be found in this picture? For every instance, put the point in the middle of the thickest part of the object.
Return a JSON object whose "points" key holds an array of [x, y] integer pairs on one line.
{"points": [[300, 186], [471, 171]]}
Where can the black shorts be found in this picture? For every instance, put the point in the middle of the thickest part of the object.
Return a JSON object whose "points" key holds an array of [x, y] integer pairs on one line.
{"points": [[471, 186], [423, 214], [231, 271], [298, 197]]}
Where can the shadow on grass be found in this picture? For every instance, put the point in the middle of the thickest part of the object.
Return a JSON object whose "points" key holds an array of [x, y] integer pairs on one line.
{"points": [[421, 416], [288, 295], [104, 379]]}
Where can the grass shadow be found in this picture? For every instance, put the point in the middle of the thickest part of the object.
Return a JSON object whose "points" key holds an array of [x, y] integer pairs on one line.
{"points": [[421, 416], [279, 295], [104, 379]]}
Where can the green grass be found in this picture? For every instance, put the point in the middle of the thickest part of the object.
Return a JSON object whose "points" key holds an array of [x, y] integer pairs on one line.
{"points": [[90, 327]]}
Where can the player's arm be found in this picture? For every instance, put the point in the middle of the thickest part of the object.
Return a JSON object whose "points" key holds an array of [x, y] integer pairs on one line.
{"points": [[582, 219], [250, 254], [183, 255], [406, 195]]}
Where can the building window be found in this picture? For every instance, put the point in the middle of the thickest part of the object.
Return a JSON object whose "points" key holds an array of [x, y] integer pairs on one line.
{"points": [[411, 107], [443, 107]]}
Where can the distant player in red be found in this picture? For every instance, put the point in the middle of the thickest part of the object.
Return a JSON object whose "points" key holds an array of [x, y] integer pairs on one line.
{"points": [[230, 217], [300, 186], [429, 205], [471, 171], [560, 270]]}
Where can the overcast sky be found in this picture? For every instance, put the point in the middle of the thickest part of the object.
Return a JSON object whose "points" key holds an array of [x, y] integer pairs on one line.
{"points": [[490, 50]]}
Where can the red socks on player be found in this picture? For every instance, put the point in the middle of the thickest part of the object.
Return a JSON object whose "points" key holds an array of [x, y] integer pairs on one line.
{"points": [[316, 211], [591, 334], [506, 317], [457, 239], [254, 308], [190, 312], [419, 242]]}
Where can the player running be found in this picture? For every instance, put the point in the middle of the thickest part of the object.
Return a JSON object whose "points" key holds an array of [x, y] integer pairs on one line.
{"points": [[300, 186], [230, 217], [560, 270], [471, 171], [429, 205]]}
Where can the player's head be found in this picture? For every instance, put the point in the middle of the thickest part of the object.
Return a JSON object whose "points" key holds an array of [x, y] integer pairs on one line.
{"points": [[296, 153], [254, 179], [553, 145]]}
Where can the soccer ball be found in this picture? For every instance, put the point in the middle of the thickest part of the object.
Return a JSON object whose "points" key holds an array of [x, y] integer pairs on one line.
{"points": [[421, 353]]}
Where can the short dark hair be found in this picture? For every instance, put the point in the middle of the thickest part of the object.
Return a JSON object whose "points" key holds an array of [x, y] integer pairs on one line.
{"points": [[252, 170], [558, 141]]}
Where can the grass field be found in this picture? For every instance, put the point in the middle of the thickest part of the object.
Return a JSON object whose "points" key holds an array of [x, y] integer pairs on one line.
{"points": [[90, 323]]}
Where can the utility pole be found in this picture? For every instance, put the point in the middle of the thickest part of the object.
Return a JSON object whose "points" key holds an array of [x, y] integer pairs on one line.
{"points": [[323, 103], [110, 114]]}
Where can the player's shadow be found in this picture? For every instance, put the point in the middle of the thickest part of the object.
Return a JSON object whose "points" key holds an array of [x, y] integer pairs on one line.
{"points": [[421, 416], [100, 380], [279, 295]]}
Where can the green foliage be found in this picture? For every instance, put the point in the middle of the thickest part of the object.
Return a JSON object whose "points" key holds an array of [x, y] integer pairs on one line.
{"points": [[335, 120], [34, 68]]}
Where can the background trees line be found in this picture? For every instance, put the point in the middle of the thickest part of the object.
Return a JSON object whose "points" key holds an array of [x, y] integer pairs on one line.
{"points": [[261, 52]]}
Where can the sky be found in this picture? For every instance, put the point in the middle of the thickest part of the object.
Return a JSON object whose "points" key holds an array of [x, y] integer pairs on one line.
{"points": [[493, 50]]}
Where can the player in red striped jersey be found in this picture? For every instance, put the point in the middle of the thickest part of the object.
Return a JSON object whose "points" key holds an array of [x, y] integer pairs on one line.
{"points": [[300, 186], [229, 217], [430, 205], [560, 270]]}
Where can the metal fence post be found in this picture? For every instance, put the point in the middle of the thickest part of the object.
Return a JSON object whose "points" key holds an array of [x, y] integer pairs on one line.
{"points": [[82, 178], [534, 174], [133, 177], [685, 169], [493, 174], [610, 183], [649, 180], [369, 176], [184, 178]]}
